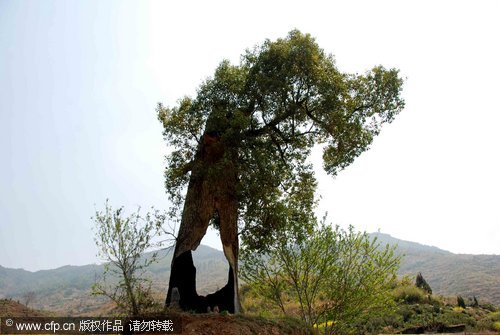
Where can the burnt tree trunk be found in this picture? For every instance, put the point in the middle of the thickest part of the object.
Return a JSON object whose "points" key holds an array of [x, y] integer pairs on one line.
{"points": [[211, 195]]}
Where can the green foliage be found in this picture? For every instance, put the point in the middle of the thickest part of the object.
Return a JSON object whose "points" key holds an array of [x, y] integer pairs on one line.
{"points": [[121, 242], [495, 316], [495, 326], [418, 310], [334, 277], [412, 308], [455, 317], [488, 306], [491, 321], [409, 294], [283, 98]]}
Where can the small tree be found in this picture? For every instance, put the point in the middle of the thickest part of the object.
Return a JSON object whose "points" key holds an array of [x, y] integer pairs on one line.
{"points": [[460, 301], [337, 277], [121, 242], [420, 282]]}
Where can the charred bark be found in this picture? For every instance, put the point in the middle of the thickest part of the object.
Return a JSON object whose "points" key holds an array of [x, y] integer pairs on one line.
{"points": [[211, 194], [184, 279]]}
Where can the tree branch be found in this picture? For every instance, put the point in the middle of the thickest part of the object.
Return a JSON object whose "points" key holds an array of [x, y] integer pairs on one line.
{"points": [[323, 124], [273, 123]]}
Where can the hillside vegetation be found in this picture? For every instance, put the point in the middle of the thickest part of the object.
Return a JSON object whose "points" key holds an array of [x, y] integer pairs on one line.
{"points": [[450, 274], [67, 289], [413, 311], [9, 307]]}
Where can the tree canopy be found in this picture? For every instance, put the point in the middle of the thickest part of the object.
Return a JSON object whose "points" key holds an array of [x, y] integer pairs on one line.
{"points": [[284, 97]]}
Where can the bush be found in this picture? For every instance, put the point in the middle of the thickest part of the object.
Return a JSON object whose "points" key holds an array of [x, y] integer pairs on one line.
{"points": [[488, 307], [495, 316], [335, 277], [491, 322], [456, 316], [409, 294]]}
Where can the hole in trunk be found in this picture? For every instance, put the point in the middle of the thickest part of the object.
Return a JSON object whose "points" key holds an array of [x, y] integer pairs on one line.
{"points": [[214, 280], [211, 269], [214, 288]]}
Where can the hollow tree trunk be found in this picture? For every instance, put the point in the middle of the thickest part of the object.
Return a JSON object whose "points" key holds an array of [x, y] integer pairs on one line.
{"points": [[211, 194]]}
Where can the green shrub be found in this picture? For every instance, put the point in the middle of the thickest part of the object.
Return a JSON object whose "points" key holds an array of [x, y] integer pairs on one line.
{"points": [[409, 294], [457, 316], [495, 316], [490, 321], [488, 307]]}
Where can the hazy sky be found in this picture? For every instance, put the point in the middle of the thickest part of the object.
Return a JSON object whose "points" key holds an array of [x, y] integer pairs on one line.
{"points": [[79, 83]]}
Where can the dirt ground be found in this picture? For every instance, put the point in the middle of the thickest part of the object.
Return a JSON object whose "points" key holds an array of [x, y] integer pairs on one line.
{"points": [[216, 324], [200, 324]]}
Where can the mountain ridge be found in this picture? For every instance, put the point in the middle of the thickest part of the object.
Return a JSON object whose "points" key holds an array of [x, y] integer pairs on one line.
{"points": [[448, 273]]}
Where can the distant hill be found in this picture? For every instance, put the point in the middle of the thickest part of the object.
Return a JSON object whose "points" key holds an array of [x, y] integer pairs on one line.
{"points": [[448, 273], [66, 290]]}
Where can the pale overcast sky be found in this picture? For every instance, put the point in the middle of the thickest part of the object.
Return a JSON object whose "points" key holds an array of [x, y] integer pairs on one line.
{"points": [[79, 83]]}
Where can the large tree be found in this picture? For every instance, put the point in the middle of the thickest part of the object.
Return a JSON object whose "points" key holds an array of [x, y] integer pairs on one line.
{"points": [[240, 148]]}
